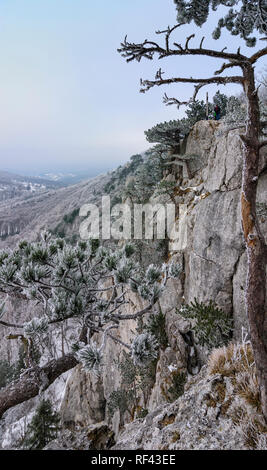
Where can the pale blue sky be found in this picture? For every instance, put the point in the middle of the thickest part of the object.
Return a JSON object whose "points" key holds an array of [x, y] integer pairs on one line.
{"points": [[67, 98]]}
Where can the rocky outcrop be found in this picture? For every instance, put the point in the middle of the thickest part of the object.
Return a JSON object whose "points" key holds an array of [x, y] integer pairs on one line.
{"points": [[215, 258], [191, 422], [218, 410], [95, 437], [215, 266]]}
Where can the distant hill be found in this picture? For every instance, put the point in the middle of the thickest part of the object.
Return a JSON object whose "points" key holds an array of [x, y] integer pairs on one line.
{"points": [[13, 185], [8, 177], [66, 178], [55, 207]]}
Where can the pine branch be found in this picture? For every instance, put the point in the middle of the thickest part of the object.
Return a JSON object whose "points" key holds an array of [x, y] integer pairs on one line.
{"points": [[27, 386], [147, 49], [257, 55], [170, 101], [147, 84]]}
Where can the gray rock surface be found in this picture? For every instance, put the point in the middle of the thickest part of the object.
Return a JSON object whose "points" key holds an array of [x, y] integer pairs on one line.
{"points": [[191, 422], [95, 437]]}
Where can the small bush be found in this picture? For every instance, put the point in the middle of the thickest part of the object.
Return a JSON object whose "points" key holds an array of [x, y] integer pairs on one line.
{"points": [[212, 327], [135, 382], [157, 327], [177, 387], [43, 428]]}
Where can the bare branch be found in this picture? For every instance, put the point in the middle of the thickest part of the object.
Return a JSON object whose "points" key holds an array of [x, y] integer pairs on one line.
{"points": [[11, 325], [147, 84], [167, 33], [147, 49], [119, 341], [134, 315], [257, 55], [178, 46], [188, 39], [105, 333], [170, 101], [227, 66]]}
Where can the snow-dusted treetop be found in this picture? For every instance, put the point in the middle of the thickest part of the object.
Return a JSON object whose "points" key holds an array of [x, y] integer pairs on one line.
{"points": [[242, 18]]}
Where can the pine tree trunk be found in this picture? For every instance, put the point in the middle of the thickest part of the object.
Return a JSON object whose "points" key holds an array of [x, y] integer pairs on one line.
{"points": [[255, 243], [27, 385]]}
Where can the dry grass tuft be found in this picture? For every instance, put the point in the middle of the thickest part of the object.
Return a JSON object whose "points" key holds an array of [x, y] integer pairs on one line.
{"points": [[236, 363], [230, 360], [248, 388]]}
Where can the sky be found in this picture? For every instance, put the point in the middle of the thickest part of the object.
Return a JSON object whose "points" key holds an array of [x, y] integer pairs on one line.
{"points": [[68, 100]]}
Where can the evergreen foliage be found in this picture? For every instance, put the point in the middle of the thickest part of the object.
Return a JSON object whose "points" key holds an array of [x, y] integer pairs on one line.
{"points": [[212, 327], [90, 357], [11, 371], [155, 325], [195, 111], [120, 400], [6, 373], [135, 380], [167, 133], [68, 282], [177, 387], [170, 133], [43, 428], [243, 17], [69, 218], [147, 175], [144, 349], [166, 188], [236, 112]]}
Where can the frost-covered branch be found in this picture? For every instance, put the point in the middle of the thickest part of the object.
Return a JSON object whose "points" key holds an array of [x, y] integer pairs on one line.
{"points": [[148, 84], [147, 49]]}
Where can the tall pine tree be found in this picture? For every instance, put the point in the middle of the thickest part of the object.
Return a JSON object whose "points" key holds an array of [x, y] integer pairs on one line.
{"points": [[43, 428]]}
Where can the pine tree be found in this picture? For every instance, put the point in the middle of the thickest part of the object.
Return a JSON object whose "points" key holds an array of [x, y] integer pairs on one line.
{"points": [[196, 111], [68, 281], [43, 428]]}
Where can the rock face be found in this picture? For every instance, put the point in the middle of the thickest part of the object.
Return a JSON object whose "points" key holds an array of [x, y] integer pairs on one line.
{"points": [[219, 409], [191, 422], [214, 261], [188, 423], [84, 401], [215, 258], [94, 437]]}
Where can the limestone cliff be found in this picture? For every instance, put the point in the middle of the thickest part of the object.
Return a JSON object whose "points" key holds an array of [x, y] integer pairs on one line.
{"points": [[214, 261]]}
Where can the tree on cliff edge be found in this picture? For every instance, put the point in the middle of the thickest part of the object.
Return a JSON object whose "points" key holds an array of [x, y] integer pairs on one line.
{"points": [[242, 18]]}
